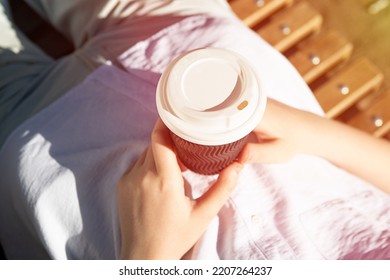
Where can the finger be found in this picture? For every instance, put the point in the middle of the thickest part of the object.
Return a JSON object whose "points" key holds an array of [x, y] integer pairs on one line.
{"points": [[272, 151], [140, 161], [163, 150], [181, 165], [211, 202]]}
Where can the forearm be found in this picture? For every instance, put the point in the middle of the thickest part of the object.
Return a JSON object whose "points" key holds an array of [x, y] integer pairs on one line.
{"points": [[353, 150]]}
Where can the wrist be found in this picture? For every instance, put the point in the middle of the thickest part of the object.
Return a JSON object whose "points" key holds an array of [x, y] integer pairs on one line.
{"points": [[301, 130], [308, 137], [145, 254]]}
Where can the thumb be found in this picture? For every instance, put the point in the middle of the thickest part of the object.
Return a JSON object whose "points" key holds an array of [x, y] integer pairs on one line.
{"points": [[208, 206]]}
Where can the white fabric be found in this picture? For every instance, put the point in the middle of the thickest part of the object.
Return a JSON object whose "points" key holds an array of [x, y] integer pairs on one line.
{"points": [[60, 168], [100, 31]]}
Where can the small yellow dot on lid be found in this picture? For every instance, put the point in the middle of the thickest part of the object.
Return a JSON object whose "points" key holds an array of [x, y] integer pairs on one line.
{"points": [[242, 105]]}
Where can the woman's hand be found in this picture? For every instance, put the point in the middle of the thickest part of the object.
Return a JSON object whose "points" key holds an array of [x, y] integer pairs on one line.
{"points": [[278, 137], [285, 131], [158, 221]]}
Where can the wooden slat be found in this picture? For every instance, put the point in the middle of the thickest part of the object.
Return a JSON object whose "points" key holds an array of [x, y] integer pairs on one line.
{"points": [[348, 86], [289, 26], [251, 12], [375, 6], [387, 136], [317, 55], [375, 119]]}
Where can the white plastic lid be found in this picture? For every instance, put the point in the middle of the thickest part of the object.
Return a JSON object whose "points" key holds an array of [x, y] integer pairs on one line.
{"points": [[210, 97]]}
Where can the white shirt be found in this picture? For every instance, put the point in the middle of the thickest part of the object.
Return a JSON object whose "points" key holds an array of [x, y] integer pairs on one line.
{"points": [[59, 169]]}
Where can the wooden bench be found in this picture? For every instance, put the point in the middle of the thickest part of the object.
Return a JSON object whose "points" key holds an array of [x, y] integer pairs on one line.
{"points": [[376, 118], [347, 90], [253, 11], [317, 55], [348, 86], [289, 26]]}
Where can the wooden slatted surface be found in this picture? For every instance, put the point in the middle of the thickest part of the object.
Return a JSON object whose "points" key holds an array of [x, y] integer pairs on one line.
{"points": [[348, 87], [315, 56], [376, 118], [289, 26], [253, 11]]}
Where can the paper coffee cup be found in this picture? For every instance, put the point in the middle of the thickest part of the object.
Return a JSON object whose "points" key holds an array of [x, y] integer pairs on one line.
{"points": [[210, 99]]}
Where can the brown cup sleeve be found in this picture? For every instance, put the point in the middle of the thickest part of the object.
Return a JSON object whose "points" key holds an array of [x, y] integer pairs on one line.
{"points": [[207, 160]]}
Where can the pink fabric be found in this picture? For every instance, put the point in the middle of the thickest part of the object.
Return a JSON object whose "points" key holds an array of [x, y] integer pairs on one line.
{"points": [[304, 209]]}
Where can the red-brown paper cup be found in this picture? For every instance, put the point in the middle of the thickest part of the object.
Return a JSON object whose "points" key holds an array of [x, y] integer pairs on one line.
{"points": [[210, 99]]}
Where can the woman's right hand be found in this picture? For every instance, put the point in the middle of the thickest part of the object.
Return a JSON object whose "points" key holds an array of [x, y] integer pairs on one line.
{"points": [[278, 137], [285, 131]]}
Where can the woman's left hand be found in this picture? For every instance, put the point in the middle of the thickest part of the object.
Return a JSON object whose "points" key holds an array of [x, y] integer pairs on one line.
{"points": [[158, 221]]}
